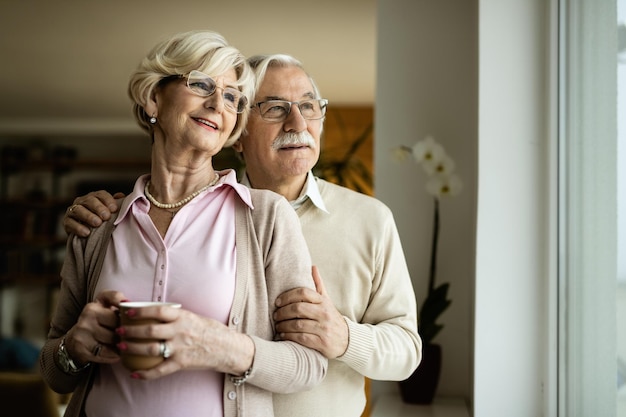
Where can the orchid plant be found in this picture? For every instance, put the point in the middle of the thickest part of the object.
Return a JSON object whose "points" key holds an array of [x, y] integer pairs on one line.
{"points": [[441, 182]]}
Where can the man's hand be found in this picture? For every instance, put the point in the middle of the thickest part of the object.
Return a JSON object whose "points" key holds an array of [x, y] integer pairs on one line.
{"points": [[310, 319], [89, 211]]}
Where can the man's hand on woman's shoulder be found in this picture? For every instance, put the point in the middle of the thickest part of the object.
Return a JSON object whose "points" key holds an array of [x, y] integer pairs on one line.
{"points": [[89, 211]]}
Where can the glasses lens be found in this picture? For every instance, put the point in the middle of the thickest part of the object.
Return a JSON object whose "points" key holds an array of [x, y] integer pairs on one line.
{"points": [[234, 99], [312, 109], [274, 110], [278, 110], [203, 85]]}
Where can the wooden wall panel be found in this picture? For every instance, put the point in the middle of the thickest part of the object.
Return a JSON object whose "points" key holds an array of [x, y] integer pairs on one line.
{"points": [[347, 148]]}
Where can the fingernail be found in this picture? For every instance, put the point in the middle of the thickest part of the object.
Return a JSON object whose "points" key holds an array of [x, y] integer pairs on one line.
{"points": [[122, 346], [135, 375], [121, 331], [124, 300], [131, 312], [278, 302]]}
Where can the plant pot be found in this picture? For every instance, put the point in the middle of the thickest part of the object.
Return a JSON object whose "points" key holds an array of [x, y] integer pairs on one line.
{"points": [[421, 386]]}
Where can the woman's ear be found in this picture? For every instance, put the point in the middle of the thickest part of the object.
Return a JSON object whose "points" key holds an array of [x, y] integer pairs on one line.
{"points": [[151, 108], [237, 146]]}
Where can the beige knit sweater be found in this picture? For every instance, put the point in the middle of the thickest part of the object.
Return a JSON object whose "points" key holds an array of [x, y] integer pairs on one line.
{"points": [[357, 249]]}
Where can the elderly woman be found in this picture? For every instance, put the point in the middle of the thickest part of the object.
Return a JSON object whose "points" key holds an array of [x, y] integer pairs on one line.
{"points": [[190, 235]]}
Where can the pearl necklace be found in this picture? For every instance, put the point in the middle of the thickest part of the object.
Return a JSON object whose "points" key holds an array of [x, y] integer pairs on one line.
{"points": [[184, 200]]}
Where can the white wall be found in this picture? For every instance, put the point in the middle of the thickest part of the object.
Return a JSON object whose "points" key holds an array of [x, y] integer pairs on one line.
{"points": [[427, 85], [475, 75], [513, 232]]}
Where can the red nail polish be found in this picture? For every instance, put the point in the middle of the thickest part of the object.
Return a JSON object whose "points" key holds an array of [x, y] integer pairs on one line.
{"points": [[135, 375], [122, 346], [131, 312], [121, 331], [124, 300]]}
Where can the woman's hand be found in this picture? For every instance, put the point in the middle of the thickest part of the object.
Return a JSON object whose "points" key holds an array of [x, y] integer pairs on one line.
{"points": [[93, 338], [194, 342]]}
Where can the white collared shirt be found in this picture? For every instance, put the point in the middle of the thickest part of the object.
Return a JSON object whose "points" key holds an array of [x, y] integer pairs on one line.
{"points": [[310, 190]]}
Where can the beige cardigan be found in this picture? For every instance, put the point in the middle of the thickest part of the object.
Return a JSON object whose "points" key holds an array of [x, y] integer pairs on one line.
{"points": [[272, 257]]}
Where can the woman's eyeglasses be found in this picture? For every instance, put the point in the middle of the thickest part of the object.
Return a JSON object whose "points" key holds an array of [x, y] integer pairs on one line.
{"points": [[203, 85]]}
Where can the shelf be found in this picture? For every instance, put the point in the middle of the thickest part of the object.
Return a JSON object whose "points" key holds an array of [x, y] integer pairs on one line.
{"points": [[34, 243], [32, 223], [80, 164], [33, 278], [391, 405], [117, 164]]}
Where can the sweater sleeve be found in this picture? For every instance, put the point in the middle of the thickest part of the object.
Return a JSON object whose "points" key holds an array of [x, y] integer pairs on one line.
{"points": [[385, 344]]}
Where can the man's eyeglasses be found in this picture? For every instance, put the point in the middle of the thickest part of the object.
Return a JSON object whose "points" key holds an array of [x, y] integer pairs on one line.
{"points": [[203, 85], [278, 110]]}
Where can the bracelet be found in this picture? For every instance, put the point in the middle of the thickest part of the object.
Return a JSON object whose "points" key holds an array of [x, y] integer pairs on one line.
{"points": [[238, 380]]}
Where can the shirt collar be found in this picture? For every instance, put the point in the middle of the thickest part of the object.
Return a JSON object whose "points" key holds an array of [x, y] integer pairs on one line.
{"points": [[228, 177], [310, 191]]}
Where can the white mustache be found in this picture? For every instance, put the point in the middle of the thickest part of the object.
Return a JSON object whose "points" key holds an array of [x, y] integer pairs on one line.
{"points": [[293, 139]]}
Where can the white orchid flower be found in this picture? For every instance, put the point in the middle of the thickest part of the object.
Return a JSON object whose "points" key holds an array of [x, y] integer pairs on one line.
{"points": [[428, 152], [443, 166], [444, 185], [441, 182]]}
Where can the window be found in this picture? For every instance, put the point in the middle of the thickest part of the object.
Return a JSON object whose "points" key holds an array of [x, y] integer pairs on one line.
{"points": [[592, 209]]}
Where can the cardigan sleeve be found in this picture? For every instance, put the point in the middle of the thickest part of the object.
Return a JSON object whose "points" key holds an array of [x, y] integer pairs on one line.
{"points": [[83, 257], [283, 264], [69, 306]]}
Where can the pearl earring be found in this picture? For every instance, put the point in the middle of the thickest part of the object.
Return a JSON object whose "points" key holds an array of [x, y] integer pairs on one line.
{"points": [[153, 120]]}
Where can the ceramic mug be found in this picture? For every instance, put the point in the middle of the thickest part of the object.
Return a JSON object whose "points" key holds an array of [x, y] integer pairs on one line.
{"points": [[138, 362]]}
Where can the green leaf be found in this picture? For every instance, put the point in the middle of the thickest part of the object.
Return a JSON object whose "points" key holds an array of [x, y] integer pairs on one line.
{"points": [[434, 305]]}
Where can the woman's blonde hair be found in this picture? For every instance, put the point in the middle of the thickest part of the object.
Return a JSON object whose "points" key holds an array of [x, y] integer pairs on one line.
{"points": [[200, 50]]}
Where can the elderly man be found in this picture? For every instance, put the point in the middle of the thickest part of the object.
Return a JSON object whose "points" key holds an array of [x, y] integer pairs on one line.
{"points": [[363, 315]]}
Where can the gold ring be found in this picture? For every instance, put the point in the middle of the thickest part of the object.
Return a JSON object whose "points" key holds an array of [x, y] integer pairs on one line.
{"points": [[72, 207]]}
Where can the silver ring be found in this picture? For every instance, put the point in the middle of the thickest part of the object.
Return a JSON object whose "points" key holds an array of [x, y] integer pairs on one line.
{"points": [[165, 350], [96, 350]]}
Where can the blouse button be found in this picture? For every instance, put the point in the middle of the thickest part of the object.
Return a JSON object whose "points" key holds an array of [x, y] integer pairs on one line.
{"points": [[235, 320], [232, 395]]}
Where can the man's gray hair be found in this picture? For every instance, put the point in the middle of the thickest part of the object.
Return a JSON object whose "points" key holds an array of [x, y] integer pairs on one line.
{"points": [[260, 64]]}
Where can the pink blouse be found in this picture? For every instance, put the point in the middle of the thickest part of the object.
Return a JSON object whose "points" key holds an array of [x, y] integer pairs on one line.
{"points": [[195, 266]]}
